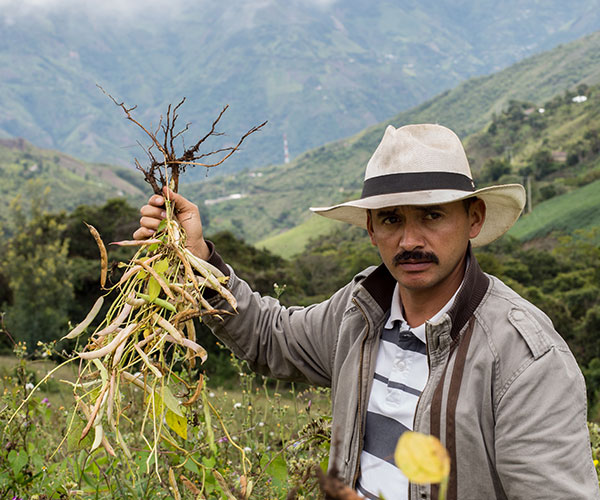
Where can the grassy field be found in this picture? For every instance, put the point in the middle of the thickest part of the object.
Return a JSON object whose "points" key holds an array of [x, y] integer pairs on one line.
{"points": [[293, 241], [58, 393], [262, 430], [579, 209]]}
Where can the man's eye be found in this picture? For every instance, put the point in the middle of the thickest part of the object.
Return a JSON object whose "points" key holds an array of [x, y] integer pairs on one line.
{"points": [[432, 215], [390, 220]]}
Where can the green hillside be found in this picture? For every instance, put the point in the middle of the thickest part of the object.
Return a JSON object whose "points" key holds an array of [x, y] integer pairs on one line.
{"points": [[565, 214], [469, 106], [27, 171], [276, 198]]}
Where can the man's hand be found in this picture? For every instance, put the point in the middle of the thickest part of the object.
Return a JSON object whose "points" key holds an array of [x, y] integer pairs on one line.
{"points": [[187, 215]]}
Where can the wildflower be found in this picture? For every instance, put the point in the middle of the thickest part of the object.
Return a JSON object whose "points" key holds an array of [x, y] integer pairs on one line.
{"points": [[422, 458], [222, 440], [237, 405], [261, 424], [28, 386], [46, 402], [247, 449], [211, 394]]}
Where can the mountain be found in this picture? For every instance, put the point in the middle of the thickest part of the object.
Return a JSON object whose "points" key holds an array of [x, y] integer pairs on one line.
{"points": [[274, 199], [28, 171], [317, 70]]}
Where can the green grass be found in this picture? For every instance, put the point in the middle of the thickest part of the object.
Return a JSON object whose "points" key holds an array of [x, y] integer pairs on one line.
{"points": [[58, 393], [579, 209], [293, 241]]}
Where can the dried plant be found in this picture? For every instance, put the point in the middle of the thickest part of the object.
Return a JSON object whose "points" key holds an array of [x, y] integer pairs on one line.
{"points": [[146, 339], [165, 163]]}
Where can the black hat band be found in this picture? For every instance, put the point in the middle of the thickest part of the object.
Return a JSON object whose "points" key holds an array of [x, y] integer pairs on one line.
{"points": [[416, 181]]}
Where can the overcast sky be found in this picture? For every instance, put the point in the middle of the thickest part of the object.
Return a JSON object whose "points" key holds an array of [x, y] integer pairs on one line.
{"points": [[123, 7]]}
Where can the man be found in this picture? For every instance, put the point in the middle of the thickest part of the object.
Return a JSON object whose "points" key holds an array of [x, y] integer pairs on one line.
{"points": [[426, 341]]}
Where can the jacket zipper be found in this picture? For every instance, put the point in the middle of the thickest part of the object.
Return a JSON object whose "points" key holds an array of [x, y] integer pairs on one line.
{"points": [[421, 395], [360, 395], [428, 377]]}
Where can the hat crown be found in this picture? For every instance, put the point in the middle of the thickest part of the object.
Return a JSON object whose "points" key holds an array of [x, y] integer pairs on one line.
{"points": [[424, 148]]}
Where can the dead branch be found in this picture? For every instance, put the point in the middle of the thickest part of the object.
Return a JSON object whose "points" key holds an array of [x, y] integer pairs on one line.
{"points": [[171, 165], [333, 488], [4, 330]]}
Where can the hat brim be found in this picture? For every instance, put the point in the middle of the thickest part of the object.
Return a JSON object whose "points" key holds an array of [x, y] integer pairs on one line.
{"points": [[503, 204]]}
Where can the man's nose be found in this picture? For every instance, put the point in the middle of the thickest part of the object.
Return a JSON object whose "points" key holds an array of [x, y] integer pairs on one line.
{"points": [[411, 237]]}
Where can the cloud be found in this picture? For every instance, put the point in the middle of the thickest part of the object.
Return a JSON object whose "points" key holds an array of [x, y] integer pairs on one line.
{"points": [[234, 14], [13, 8], [323, 4], [127, 7]]}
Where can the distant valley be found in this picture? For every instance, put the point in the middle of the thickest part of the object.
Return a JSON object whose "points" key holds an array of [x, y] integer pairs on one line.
{"points": [[317, 70]]}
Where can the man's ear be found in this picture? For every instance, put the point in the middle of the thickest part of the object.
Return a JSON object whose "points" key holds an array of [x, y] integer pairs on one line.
{"points": [[370, 227], [476, 217]]}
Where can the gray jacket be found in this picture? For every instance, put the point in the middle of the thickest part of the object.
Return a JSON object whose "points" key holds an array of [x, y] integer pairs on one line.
{"points": [[504, 394]]}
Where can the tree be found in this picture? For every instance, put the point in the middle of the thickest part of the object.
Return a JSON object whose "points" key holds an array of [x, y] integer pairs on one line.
{"points": [[543, 164], [494, 168], [593, 139], [34, 262]]}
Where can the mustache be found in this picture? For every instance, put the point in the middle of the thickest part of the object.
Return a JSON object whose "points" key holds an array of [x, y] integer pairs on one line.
{"points": [[414, 256]]}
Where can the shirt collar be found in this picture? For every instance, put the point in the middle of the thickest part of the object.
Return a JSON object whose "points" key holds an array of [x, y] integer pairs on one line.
{"points": [[419, 331]]}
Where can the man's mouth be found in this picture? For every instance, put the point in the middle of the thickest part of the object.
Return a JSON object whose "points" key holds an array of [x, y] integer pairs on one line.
{"points": [[415, 266], [415, 260]]}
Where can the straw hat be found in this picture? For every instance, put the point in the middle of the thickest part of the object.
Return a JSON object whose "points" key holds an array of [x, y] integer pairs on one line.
{"points": [[427, 165]]}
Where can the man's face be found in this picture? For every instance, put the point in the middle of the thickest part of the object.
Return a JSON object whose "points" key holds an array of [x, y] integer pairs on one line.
{"points": [[424, 246]]}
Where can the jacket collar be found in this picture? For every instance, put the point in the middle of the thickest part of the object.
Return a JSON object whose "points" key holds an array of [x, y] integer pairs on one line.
{"points": [[380, 285]]}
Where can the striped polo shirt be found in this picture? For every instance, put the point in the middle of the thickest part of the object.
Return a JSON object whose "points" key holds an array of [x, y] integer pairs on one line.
{"points": [[401, 372]]}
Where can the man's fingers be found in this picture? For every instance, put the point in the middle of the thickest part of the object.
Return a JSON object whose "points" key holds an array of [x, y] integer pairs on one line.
{"points": [[150, 223], [156, 200], [152, 215], [143, 233], [156, 212], [187, 214], [181, 204]]}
